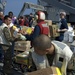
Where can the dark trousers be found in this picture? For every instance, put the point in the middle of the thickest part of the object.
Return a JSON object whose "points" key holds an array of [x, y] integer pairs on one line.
{"points": [[60, 38], [12, 49], [1, 53], [7, 67]]}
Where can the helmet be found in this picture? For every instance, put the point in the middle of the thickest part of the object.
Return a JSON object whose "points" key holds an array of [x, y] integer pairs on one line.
{"points": [[40, 15], [63, 13]]}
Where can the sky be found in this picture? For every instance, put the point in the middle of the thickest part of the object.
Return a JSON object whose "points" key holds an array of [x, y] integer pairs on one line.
{"points": [[16, 5]]}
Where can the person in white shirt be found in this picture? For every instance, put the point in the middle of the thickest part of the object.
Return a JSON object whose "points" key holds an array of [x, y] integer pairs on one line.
{"points": [[48, 53]]}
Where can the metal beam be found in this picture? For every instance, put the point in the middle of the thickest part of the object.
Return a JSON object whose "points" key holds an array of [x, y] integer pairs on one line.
{"points": [[61, 5], [28, 5]]}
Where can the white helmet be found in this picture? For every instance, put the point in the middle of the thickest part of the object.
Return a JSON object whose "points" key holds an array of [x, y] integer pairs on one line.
{"points": [[40, 15], [63, 13]]}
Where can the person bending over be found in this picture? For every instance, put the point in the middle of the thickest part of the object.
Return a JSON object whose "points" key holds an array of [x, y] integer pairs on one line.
{"points": [[48, 53]]}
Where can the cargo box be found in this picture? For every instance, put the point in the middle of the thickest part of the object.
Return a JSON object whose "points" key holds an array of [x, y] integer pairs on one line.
{"points": [[25, 29], [22, 58], [22, 45], [49, 22], [46, 71], [53, 31]]}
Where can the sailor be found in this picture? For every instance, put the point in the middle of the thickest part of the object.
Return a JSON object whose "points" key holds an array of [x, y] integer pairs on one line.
{"points": [[63, 27], [48, 53], [40, 28]]}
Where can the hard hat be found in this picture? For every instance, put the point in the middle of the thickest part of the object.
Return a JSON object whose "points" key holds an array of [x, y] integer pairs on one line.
{"points": [[63, 13], [40, 15]]}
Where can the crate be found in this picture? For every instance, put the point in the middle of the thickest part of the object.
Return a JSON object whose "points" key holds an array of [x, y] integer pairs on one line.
{"points": [[22, 58], [53, 31], [22, 45], [46, 71], [49, 22], [25, 29]]}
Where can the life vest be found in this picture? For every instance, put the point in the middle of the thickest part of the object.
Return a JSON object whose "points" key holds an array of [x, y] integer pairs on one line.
{"points": [[3, 40], [63, 55], [43, 27], [59, 59]]}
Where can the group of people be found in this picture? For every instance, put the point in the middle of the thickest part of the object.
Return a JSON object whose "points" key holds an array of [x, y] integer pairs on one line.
{"points": [[48, 53], [25, 20], [45, 52]]}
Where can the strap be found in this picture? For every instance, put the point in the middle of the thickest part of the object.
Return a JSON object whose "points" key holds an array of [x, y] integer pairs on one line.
{"points": [[50, 58]]}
